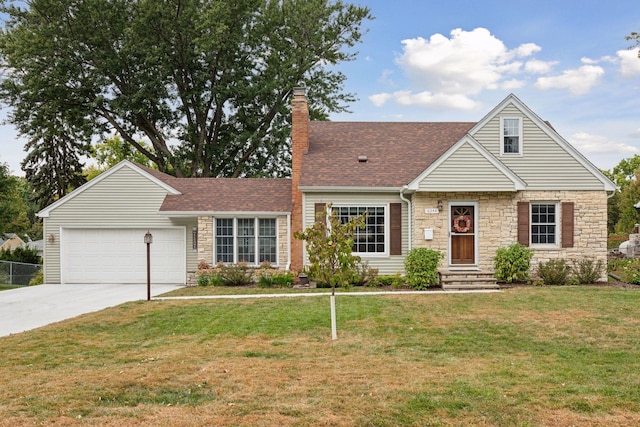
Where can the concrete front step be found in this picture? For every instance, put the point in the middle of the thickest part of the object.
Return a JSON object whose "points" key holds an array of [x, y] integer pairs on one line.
{"points": [[467, 280]]}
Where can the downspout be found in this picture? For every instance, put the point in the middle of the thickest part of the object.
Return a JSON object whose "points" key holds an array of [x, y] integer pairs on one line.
{"points": [[409, 215]]}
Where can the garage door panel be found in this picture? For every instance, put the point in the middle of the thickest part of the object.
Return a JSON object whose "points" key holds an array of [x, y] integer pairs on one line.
{"points": [[119, 256]]}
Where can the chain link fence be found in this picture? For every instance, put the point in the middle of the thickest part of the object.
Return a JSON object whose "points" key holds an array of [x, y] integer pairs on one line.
{"points": [[17, 273]]}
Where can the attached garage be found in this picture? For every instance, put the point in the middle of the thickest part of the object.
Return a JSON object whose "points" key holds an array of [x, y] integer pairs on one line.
{"points": [[119, 255]]}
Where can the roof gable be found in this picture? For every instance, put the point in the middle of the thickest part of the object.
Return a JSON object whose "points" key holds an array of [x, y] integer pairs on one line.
{"points": [[467, 166], [154, 178], [512, 102]]}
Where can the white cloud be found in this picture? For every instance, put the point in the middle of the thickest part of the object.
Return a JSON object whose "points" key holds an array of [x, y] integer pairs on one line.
{"points": [[512, 84], [577, 81], [536, 66], [447, 72], [527, 49], [380, 99], [597, 144], [629, 63], [428, 99]]}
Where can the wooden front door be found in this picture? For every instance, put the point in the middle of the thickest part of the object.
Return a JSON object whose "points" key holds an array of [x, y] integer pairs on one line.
{"points": [[463, 231]]}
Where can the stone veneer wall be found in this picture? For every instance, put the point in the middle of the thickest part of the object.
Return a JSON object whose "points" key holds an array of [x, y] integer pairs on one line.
{"points": [[283, 242], [498, 219], [205, 239]]}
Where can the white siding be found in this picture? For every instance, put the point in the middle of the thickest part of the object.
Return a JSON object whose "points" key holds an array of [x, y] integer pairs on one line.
{"points": [[466, 170], [389, 264], [125, 199], [544, 164]]}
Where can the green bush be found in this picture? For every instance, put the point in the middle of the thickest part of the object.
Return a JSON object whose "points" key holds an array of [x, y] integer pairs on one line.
{"points": [[274, 279], [364, 275], [236, 274], [555, 272], [37, 279], [21, 254], [587, 270], [627, 269], [203, 279], [396, 281], [512, 264], [421, 266]]}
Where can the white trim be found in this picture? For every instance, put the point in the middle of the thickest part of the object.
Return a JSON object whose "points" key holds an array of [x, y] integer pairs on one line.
{"points": [[263, 214], [518, 183], [256, 237], [513, 100], [347, 189], [520, 136], [557, 225], [44, 213], [476, 234], [288, 241], [387, 226]]}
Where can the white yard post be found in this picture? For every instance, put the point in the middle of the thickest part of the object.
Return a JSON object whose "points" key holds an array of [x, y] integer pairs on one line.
{"points": [[334, 331]]}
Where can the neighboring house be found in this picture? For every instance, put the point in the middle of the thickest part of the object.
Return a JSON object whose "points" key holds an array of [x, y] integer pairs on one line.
{"points": [[465, 189], [10, 241]]}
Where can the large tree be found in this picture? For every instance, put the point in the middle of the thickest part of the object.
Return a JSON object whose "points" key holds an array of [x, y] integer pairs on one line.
{"points": [[206, 83]]}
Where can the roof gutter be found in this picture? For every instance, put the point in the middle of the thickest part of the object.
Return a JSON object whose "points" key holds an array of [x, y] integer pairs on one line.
{"points": [[409, 214]]}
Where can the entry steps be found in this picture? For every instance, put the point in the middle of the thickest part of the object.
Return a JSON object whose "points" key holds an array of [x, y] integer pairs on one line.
{"points": [[467, 279]]}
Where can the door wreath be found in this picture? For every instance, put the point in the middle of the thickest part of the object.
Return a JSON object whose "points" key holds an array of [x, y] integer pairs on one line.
{"points": [[457, 224]]}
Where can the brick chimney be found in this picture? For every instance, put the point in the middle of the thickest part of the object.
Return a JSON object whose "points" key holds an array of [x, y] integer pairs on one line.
{"points": [[299, 146]]}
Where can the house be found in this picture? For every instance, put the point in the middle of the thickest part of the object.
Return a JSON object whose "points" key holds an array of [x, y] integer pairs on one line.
{"points": [[10, 241], [465, 189]]}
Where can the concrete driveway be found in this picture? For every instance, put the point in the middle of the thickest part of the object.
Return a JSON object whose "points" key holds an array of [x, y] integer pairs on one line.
{"points": [[34, 306]]}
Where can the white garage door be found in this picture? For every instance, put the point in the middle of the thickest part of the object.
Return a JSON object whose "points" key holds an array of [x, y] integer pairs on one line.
{"points": [[91, 255]]}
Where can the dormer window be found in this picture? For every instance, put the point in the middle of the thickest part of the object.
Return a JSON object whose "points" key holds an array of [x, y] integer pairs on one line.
{"points": [[511, 136]]}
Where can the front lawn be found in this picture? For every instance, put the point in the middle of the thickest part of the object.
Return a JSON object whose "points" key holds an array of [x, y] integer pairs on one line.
{"points": [[527, 356]]}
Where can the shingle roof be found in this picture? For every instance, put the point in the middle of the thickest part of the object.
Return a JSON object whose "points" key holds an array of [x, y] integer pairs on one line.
{"points": [[229, 195], [225, 194], [396, 152]]}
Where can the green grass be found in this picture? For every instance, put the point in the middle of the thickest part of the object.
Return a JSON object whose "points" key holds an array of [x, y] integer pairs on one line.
{"points": [[6, 287], [526, 357]]}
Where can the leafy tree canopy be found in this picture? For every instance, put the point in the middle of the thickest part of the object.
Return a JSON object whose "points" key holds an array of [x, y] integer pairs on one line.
{"points": [[206, 83]]}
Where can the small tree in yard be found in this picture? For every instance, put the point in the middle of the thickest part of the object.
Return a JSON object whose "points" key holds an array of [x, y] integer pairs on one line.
{"points": [[329, 244]]}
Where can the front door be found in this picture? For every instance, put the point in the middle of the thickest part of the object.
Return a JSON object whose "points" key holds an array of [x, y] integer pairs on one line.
{"points": [[463, 232]]}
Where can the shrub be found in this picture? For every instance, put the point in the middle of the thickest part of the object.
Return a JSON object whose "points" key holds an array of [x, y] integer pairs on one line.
{"points": [[21, 254], [396, 281], [555, 272], [627, 269], [203, 280], [269, 278], [364, 275], [421, 267], [512, 264], [236, 274], [587, 270], [37, 279]]}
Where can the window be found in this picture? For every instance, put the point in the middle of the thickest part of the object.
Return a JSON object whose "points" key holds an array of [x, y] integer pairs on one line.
{"points": [[543, 224], [267, 240], [224, 240], [511, 135], [369, 239], [251, 240]]}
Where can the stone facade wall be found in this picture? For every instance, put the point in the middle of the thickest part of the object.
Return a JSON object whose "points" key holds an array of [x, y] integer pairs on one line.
{"points": [[283, 242], [205, 239], [498, 219]]}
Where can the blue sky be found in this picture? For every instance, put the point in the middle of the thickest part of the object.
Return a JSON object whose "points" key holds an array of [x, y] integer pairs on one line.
{"points": [[455, 60]]}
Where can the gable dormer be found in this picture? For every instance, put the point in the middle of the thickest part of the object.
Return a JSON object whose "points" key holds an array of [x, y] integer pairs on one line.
{"points": [[534, 151]]}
